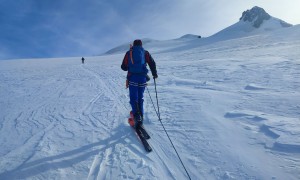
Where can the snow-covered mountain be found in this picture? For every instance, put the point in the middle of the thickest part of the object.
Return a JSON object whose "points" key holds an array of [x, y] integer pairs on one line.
{"points": [[257, 16], [252, 22], [231, 108]]}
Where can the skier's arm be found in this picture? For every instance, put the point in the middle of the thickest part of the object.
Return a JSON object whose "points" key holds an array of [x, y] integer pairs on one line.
{"points": [[124, 65], [150, 61]]}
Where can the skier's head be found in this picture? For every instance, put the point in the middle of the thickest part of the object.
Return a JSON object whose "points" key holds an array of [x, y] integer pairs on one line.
{"points": [[137, 42]]}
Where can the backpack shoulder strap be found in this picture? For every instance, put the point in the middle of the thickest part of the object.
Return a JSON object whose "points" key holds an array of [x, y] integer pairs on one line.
{"points": [[130, 54]]}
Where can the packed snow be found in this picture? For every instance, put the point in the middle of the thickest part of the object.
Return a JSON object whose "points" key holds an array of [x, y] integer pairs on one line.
{"points": [[231, 107]]}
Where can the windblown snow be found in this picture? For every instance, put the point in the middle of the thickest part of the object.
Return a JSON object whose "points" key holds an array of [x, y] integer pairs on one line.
{"points": [[231, 108]]}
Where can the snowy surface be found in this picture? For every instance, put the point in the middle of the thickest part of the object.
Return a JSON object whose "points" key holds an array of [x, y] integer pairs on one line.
{"points": [[231, 108]]}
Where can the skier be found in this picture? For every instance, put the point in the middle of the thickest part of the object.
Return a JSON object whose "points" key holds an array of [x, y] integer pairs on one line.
{"points": [[135, 62], [82, 59]]}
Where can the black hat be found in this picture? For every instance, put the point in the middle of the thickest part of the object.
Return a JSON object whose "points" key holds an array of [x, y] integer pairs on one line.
{"points": [[137, 42]]}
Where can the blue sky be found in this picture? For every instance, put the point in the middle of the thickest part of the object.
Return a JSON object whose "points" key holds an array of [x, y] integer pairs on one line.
{"points": [[64, 28]]}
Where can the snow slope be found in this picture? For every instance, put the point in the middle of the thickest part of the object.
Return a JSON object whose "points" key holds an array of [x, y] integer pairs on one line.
{"points": [[231, 108]]}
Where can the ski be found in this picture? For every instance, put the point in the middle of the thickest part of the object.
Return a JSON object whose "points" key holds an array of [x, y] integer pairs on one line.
{"points": [[145, 133], [143, 139], [131, 122], [141, 132]]}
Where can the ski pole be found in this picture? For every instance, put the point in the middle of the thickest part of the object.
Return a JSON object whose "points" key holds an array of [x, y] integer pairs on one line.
{"points": [[157, 100]]}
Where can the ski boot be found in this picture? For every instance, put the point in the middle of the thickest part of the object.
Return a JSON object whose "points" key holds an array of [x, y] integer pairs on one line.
{"points": [[131, 119], [138, 120]]}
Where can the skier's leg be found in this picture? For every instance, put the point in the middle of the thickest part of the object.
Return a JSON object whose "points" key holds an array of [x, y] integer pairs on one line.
{"points": [[133, 94], [141, 99], [141, 90]]}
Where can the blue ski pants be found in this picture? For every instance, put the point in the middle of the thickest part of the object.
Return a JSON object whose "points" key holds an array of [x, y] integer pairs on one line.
{"points": [[137, 84]]}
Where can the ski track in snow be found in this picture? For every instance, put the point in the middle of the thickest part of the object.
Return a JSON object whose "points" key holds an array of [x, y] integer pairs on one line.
{"points": [[231, 109]]}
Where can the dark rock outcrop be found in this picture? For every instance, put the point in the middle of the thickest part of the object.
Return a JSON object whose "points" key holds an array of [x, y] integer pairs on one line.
{"points": [[256, 15]]}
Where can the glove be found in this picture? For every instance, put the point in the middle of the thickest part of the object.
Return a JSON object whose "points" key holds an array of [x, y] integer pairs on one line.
{"points": [[155, 76], [124, 67], [147, 78]]}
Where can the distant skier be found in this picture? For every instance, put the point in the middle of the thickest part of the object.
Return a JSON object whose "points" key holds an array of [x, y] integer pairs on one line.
{"points": [[82, 59], [135, 62]]}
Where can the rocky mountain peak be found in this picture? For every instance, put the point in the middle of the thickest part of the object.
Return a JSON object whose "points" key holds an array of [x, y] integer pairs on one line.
{"points": [[256, 16]]}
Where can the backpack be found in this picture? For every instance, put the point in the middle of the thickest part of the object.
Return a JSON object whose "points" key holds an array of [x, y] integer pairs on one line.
{"points": [[137, 61]]}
